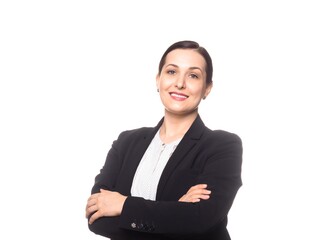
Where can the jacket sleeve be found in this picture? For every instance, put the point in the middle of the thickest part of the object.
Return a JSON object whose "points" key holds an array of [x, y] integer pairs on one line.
{"points": [[222, 173], [108, 175], [106, 179]]}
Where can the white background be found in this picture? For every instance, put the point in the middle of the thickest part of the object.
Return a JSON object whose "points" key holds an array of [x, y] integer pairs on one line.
{"points": [[74, 74]]}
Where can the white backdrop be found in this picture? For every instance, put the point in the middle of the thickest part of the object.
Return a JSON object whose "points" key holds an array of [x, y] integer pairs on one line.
{"points": [[74, 74]]}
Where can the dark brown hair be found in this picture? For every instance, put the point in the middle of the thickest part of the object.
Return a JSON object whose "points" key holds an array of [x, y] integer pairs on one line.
{"points": [[190, 45]]}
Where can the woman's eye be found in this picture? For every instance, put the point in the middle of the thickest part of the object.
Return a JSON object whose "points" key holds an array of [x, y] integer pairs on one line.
{"points": [[193, 75], [171, 72]]}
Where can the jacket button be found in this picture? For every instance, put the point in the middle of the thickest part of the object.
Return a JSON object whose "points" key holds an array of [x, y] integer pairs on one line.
{"points": [[141, 226], [133, 225]]}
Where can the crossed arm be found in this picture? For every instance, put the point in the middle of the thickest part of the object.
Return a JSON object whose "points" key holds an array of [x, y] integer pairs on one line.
{"points": [[110, 212], [110, 203]]}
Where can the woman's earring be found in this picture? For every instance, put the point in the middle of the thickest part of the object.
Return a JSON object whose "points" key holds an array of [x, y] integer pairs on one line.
{"points": [[204, 97], [157, 90]]}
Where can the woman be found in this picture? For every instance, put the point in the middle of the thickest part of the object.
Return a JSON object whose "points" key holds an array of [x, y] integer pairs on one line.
{"points": [[176, 180]]}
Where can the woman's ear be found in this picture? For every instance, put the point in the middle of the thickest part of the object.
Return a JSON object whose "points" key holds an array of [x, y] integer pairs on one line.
{"points": [[158, 82], [207, 90]]}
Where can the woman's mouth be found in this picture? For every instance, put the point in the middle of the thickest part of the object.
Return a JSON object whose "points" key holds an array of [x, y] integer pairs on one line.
{"points": [[178, 96]]}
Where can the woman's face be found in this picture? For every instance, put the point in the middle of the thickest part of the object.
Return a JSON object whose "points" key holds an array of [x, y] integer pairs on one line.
{"points": [[182, 81]]}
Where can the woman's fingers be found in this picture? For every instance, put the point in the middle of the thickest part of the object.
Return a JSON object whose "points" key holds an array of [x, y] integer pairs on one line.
{"points": [[91, 206], [196, 193], [106, 203]]}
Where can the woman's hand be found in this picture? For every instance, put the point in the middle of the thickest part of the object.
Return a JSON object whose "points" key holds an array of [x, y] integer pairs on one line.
{"points": [[196, 193], [104, 204]]}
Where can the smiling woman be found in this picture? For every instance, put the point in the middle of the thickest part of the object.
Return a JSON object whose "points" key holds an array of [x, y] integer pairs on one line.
{"points": [[182, 81], [178, 179]]}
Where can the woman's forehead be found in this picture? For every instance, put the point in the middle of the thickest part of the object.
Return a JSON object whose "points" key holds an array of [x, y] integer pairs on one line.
{"points": [[185, 58]]}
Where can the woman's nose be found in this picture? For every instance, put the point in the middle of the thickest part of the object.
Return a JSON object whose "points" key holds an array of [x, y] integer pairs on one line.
{"points": [[180, 82]]}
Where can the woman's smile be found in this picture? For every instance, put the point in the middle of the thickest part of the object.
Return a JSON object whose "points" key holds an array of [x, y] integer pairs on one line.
{"points": [[178, 96]]}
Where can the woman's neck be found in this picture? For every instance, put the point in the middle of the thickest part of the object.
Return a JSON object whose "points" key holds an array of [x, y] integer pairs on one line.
{"points": [[175, 126]]}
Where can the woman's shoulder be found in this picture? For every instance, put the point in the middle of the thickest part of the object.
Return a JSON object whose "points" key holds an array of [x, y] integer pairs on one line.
{"points": [[142, 131], [199, 127], [133, 136], [223, 135]]}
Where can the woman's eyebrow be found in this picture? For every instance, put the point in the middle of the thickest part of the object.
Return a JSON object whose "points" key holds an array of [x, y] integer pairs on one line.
{"points": [[192, 68], [173, 65]]}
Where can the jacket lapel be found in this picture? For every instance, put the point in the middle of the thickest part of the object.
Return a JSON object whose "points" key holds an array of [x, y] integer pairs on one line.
{"points": [[126, 178], [187, 143]]}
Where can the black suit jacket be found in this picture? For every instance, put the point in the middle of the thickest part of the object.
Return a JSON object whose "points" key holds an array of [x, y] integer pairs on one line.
{"points": [[206, 156]]}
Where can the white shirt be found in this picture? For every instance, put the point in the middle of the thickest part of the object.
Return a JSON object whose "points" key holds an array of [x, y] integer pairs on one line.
{"points": [[151, 166]]}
